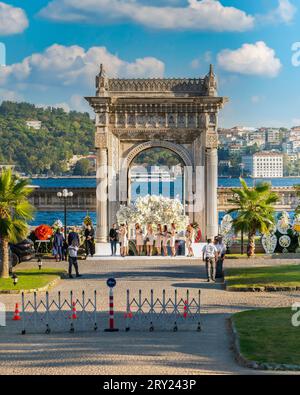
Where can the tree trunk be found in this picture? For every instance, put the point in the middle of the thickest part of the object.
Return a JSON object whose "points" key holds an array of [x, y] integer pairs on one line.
{"points": [[5, 258], [251, 244]]}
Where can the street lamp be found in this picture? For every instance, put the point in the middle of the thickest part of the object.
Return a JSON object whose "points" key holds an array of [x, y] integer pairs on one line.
{"points": [[64, 195], [15, 279]]}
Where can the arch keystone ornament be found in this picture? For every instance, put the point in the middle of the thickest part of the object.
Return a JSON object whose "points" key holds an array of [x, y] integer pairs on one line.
{"points": [[179, 114]]}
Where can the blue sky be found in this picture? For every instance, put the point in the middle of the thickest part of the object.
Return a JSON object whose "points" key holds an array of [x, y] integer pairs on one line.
{"points": [[54, 48]]}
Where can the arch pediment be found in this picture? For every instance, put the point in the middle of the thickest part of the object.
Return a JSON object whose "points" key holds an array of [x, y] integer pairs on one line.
{"points": [[181, 151]]}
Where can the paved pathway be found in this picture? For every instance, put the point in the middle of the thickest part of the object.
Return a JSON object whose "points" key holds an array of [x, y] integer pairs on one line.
{"points": [[208, 352]]}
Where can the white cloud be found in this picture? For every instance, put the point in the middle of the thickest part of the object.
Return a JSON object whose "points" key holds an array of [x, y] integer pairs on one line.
{"points": [[256, 99], [195, 64], [251, 59], [196, 15], [63, 71], [12, 20], [283, 13], [10, 95], [60, 65]]}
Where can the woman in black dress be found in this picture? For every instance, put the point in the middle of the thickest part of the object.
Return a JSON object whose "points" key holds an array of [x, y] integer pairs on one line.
{"points": [[89, 234]]}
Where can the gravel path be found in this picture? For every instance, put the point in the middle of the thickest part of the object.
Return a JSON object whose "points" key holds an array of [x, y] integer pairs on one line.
{"points": [[208, 352]]}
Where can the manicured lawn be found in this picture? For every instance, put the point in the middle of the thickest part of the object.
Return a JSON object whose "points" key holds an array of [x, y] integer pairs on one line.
{"points": [[274, 276], [31, 279], [238, 256], [267, 336]]}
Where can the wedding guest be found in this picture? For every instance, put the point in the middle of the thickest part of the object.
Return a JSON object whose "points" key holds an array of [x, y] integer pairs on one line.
{"points": [[89, 234], [58, 245], [73, 251], [139, 239], [173, 240], [189, 239], [221, 247], [126, 246], [123, 240], [149, 240], [210, 254], [113, 238], [159, 238], [165, 240]]}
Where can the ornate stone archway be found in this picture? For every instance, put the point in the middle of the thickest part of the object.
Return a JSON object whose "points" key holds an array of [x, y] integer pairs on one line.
{"points": [[180, 114]]}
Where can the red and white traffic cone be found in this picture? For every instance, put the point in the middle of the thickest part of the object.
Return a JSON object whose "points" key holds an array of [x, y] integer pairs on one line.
{"points": [[17, 316]]}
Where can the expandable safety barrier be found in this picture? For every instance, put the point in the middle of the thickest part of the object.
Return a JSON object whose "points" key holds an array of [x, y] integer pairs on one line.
{"points": [[42, 314], [165, 313]]}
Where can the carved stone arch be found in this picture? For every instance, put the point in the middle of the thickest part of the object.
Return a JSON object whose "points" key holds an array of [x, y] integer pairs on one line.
{"points": [[181, 151]]}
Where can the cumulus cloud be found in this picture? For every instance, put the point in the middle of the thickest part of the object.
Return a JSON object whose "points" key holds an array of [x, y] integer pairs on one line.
{"points": [[195, 15], [286, 10], [251, 59], [62, 70], [62, 65], [12, 20], [283, 13]]}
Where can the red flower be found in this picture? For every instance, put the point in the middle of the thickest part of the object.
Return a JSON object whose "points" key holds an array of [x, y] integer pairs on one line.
{"points": [[43, 232]]}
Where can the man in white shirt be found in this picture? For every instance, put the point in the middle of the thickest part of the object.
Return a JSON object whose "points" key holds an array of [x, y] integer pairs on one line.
{"points": [[210, 254], [73, 251]]}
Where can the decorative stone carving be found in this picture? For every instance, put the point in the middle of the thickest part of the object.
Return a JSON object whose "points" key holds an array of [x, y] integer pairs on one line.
{"points": [[181, 121], [171, 120], [191, 120], [194, 86], [212, 140], [101, 140]]}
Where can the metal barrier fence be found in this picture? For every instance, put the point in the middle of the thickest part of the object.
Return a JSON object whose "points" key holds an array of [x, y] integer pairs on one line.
{"points": [[77, 314], [163, 313], [59, 314]]}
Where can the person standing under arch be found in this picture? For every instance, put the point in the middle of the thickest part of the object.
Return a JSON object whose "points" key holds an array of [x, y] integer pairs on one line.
{"points": [[165, 240], [149, 240], [173, 240], [139, 239], [159, 238]]}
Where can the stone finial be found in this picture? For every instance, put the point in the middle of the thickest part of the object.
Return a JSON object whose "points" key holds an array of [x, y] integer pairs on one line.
{"points": [[211, 82], [102, 72], [101, 82]]}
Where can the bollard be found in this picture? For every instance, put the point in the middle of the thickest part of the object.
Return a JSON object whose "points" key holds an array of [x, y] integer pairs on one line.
{"points": [[111, 282]]}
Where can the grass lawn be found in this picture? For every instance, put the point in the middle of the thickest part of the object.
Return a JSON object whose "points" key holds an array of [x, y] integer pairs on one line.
{"points": [[238, 256], [31, 279], [267, 336], [273, 276]]}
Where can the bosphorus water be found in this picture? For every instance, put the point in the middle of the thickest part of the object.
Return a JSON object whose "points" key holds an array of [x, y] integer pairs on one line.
{"points": [[76, 217]]}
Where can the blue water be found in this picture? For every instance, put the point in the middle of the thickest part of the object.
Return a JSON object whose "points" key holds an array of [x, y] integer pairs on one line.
{"points": [[138, 189]]}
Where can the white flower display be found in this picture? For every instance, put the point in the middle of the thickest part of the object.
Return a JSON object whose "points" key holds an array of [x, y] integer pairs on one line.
{"points": [[57, 224], [154, 210], [226, 230], [283, 224], [269, 243], [226, 225], [285, 241]]}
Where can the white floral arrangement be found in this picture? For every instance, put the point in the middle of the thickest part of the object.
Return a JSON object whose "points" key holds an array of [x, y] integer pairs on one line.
{"points": [[154, 210], [57, 224]]}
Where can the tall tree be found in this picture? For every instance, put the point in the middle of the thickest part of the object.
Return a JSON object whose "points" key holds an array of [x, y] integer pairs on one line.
{"points": [[254, 209], [15, 211]]}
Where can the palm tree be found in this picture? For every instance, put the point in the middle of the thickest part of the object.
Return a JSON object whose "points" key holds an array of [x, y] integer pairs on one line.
{"points": [[15, 211], [254, 209]]}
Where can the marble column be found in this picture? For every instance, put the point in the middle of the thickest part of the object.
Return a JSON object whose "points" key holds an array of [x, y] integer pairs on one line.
{"points": [[102, 196], [211, 156]]}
